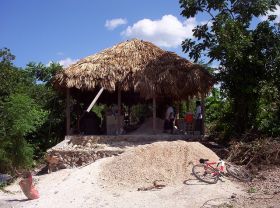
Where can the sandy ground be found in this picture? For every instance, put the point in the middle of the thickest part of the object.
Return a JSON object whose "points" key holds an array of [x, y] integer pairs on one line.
{"points": [[82, 188]]}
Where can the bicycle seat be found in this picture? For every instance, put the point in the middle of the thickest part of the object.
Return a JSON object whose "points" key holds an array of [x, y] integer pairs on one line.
{"points": [[203, 160]]}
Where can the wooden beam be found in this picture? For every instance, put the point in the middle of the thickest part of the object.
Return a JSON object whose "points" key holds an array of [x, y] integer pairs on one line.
{"points": [[95, 99], [119, 111], [68, 120], [154, 114], [203, 114]]}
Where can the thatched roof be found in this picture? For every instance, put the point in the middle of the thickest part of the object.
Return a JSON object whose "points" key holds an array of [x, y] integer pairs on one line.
{"points": [[139, 66]]}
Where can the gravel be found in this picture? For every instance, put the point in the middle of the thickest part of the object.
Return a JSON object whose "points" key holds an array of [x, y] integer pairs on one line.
{"points": [[169, 162]]}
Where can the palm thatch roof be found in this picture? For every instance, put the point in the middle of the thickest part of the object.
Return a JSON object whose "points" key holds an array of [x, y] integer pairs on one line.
{"points": [[137, 66]]}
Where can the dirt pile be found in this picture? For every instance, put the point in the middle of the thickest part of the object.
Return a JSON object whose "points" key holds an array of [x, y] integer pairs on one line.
{"points": [[170, 162]]}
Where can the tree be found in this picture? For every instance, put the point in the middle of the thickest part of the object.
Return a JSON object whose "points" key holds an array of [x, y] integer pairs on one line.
{"points": [[19, 113], [52, 130], [268, 116], [22, 116], [229, 38]]}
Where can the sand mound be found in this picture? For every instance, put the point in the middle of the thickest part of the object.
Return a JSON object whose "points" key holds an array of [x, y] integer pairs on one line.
{"points": [[166, 161]]}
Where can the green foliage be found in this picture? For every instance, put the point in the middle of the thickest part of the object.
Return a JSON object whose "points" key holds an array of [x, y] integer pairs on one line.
{"points": [[20, 115], [139, 112], [5, 160], [98, 109], [23, 115], [247, 55], [268, 110], [12, 79], [6, 57], [43, 73], [214, 106], [218, 114], [52, 130]]}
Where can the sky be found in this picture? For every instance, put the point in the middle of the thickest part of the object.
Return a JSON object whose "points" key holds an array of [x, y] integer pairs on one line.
{"points": [[65, 31]]}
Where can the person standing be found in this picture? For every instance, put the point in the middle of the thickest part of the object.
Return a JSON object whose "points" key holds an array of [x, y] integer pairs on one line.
{"points": [[198, 117], [169, 119]]}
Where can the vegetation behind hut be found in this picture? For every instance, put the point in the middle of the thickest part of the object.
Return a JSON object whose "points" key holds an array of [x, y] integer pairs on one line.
{"points": [[249, 59]]}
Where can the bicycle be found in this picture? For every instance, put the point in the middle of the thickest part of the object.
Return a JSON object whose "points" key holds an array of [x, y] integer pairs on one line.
{"points": [[208, 173]]}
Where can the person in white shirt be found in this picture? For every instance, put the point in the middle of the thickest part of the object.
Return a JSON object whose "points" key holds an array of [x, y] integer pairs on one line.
{"points": [[198, 117], [169, 119]]}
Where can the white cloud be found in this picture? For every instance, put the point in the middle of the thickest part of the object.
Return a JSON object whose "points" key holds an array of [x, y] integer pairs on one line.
{"points": [[168, 32], [114, 23], [275, 12], [64, 62], [209, 23], [67, 62], [59, 53]]}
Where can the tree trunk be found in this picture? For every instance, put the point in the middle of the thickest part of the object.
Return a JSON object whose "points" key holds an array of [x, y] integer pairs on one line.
{"points": [[241, 114], [245, 109]]}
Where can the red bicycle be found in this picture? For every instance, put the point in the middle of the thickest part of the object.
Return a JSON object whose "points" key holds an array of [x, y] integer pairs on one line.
{"points": [[210, 172]]}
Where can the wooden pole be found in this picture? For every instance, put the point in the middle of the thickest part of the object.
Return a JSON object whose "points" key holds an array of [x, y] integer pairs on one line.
{"points": [[154, 114], [68, 111], [119, 111], [95, 99], [203, 114]]}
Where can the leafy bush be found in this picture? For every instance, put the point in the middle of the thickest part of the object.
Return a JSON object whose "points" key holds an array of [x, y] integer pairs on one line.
{"points": [[219, 115], [267, 120], [20, 117], [23, 115]]}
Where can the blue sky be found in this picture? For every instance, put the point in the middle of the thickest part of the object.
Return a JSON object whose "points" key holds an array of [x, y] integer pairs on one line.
{"points": [[67, 30]]}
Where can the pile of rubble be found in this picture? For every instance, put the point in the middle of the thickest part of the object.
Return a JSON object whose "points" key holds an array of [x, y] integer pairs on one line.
{"points": [[75, 153]]}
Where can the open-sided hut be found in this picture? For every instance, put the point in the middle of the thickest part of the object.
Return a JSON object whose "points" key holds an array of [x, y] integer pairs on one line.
{"points": [[137, 66]]}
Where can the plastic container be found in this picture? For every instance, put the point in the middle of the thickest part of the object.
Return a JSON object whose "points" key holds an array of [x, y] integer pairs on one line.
{"points": [[188, 118]]}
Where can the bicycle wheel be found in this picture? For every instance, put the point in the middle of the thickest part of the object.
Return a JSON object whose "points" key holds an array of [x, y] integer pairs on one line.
{"points": [[205, 174], [238, 172]]}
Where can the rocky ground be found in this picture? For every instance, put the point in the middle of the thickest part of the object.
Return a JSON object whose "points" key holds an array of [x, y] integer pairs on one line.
{"points": [[263, 191]]}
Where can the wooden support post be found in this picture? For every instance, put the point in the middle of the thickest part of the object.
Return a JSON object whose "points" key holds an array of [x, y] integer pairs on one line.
{"points": [[119, 111], [68, 111], [203, 114], [154, 114]]}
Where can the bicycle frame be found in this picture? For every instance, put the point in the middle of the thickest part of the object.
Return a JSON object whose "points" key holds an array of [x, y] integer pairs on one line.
{"points": [[219, 169]]}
